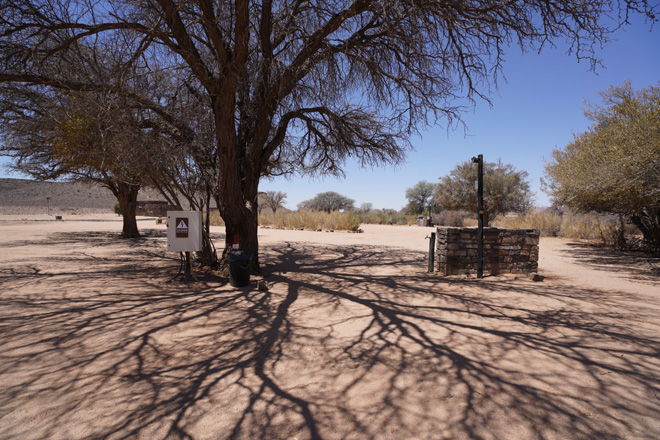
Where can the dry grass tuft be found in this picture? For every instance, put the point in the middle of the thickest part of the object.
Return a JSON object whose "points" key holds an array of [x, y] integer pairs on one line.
{"points": [[311, 220], [553, 223]]}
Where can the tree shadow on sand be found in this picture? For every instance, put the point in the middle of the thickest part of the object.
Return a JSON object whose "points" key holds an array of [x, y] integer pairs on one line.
{"points": [[351, 342], [636, 266]]}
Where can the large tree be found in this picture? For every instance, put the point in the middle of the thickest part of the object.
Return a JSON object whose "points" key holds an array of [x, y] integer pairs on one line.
{"points": [[505, 189], [78, 136], [615, 165], [274, 199], [126, 126], [420, 197], [328, 201], [306, 84]]}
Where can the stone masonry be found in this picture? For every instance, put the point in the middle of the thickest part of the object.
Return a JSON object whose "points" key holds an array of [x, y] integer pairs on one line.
{"points": [[514, 251]]}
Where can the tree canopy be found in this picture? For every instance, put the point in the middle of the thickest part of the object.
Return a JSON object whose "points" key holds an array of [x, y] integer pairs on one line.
{"points": [[420, 197], [111, 135], [505, 189], [303, 84], [614, 166], [78, 136], [328, 201], [274, 199]]}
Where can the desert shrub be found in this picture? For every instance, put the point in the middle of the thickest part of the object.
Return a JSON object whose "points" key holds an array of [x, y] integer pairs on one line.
{"points": [[387, 218], [117, 209], [450, 218], [215, 219], [594, 227], [311, 220], [547, 221]]}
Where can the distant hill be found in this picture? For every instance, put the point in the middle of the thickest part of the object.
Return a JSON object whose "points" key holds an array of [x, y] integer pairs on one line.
{"points": [[22, 196], [23, 193]]}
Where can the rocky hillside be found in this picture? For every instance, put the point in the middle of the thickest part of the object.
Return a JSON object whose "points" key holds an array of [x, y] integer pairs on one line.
{"points": [[20, 195]]}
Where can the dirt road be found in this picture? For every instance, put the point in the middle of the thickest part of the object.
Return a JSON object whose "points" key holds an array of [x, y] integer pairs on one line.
{"points": [[354, 340]]}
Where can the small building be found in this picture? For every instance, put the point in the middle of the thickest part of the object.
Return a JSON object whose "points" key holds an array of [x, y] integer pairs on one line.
{"points": [[423, 220], [154, 208]]}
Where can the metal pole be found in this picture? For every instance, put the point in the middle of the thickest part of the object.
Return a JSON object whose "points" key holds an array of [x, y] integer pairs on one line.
{"points": [[431, 251], [479, 160]]}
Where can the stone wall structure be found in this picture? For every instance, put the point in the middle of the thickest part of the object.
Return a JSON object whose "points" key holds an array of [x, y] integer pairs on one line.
{"points": [[514, 251]]}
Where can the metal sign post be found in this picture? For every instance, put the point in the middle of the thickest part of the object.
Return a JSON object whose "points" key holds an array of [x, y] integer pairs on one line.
{"points": [[479, 160], [432, 252]]}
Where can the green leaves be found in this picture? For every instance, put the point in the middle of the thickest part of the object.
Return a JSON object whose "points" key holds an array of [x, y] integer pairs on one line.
{"points": [[420, 197], [505, 189], [615, 165]]}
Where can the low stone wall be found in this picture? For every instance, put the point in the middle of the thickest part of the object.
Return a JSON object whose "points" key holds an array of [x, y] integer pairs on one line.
{"points": [[513, 251]]}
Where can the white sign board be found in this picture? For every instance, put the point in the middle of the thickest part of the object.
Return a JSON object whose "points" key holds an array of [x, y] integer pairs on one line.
{"points": [[184, 231]]}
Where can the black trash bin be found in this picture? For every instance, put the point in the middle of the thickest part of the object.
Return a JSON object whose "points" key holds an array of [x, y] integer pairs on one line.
{"points": [[239, 268]]}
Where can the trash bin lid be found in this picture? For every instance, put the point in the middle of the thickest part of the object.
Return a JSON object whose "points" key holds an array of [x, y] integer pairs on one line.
{"points": [[239, 256]]}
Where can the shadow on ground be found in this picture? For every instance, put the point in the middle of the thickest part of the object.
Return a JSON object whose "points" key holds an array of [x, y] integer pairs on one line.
{"points": [[351, 342], [636, 266]]}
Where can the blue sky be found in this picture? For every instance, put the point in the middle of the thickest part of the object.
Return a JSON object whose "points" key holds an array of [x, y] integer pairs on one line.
{"points": [[536, 108]]}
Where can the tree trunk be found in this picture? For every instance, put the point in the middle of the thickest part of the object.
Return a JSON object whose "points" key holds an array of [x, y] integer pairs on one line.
{"points": [[241, 219], [621, 233], [239, 162], [127, 196], [648, 222], [209, 256]]}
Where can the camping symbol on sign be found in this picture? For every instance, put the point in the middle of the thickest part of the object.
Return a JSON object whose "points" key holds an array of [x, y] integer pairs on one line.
{"points": [[181, 227]]}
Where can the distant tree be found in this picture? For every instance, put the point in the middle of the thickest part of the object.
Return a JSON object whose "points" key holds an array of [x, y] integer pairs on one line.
{"points": [[274, 199], [614, 166], [366, 207], [505, 189], [328, 202], [420, 198]]}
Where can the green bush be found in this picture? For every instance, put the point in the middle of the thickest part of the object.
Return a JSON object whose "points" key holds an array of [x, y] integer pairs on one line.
{"points": [[117, 209]]}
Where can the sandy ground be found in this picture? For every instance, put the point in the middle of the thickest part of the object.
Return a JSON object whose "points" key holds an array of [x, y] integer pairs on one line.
{"points": [[353, 341]]}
